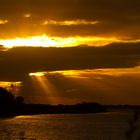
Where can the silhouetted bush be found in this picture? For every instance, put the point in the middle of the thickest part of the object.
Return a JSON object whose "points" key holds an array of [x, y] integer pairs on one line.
{"points": [[9, 105]]}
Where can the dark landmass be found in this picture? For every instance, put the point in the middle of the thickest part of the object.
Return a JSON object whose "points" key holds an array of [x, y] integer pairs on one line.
{"points": [[11, 106], [124, 108], [80, 108]]}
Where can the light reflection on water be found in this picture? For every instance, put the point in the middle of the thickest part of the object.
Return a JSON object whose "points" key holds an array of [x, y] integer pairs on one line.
{"points": [[105, 126]]}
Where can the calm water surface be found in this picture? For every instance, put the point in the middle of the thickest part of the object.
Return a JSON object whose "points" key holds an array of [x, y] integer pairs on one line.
{"points": [[102, 126]]}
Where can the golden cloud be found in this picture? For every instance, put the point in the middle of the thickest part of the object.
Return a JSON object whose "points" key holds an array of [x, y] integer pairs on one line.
{"points": [[27, 15], [69, 22], [46, 41], [3, 21]]}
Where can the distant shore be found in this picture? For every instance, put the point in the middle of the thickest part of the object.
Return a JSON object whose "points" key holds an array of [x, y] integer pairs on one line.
{"points": [[63, 109], [81, 108]]}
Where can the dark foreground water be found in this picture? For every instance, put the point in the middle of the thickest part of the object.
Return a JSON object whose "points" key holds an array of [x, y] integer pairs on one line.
{"points": [[102, 126]]}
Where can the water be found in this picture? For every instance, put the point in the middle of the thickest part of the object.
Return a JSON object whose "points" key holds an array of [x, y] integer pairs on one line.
{"points": [[102, 126]]}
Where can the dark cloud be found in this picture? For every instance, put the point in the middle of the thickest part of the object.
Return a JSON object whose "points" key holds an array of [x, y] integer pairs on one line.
{"points": [[19, 62], [118, 86], [116, 17]]}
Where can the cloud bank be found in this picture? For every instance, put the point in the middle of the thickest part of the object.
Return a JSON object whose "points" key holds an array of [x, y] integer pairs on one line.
{"points": [[18, 62], [115, 17]]}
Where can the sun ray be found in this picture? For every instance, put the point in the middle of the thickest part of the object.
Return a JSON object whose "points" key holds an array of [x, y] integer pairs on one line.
{"points": [[103, 83], [47, 87]]}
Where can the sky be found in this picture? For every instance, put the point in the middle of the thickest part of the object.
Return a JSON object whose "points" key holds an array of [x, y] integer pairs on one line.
{"points": [[108, 75], [106, 86], [98, 18], [106, 36]]}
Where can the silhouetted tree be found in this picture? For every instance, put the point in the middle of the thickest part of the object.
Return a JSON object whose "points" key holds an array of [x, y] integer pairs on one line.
{"points": [[19, 100], [9, 105]]}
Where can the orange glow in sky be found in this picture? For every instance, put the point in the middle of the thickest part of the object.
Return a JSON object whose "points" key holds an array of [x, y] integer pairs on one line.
{"points": [[38, 74], [70, 22], [46, 41]]}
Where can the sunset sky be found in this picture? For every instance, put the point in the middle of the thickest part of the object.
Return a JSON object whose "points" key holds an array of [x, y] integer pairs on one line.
{"points": [[105, 20], [106, 36]]}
